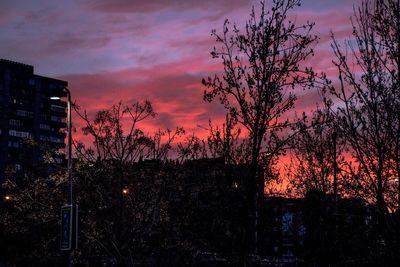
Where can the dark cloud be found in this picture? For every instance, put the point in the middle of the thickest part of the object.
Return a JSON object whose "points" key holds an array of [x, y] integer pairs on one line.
{"points": [[72, 42], [165, 121], [139, 6]]}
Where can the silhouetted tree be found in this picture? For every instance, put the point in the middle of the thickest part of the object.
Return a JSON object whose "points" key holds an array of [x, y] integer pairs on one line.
{"points": [[386, 23], [316, 154], [223, 141], [119, 143], [29, 221], [367, 107], [260, 64], [226, 141], [191, 148]]}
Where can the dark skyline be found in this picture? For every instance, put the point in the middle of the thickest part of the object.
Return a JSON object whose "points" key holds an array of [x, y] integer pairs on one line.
{"points": [[281, 147]]}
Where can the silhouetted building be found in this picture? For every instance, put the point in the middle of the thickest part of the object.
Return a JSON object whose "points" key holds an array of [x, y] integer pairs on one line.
{"points": [[30, 122], [284, 230], [317, 229]]}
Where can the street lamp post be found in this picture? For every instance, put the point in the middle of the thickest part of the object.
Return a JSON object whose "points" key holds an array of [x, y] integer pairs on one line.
{"points": [[69, 145], [68, 221], [69, 123]]}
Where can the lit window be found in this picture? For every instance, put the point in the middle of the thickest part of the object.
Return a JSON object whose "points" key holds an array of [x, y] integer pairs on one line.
{"points": [[57, 108], [19, 134], [24, 113]]}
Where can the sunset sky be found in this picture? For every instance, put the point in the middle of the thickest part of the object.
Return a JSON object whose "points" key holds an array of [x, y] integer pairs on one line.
{"points": [[112, 50]]}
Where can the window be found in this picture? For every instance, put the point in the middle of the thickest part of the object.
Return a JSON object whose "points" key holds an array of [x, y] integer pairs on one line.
{"points": [[51, 139], [13, 144], [20, 102], [287, 220], [57, 140], [57, 108], [15, 122], [24, 113], [19, 134], [45, 117], [44, 126], [58, 118]]}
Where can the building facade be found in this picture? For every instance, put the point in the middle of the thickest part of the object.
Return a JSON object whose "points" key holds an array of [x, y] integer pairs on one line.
{"points": [[30, 122], [319, 229]]}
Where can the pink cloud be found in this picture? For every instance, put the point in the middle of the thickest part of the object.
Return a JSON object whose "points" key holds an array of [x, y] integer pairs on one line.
{"points": [[158, 50], [174, 89]]}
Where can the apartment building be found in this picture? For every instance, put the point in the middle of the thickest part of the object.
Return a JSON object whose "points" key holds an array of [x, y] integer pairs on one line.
{"points": [[30, 122]]}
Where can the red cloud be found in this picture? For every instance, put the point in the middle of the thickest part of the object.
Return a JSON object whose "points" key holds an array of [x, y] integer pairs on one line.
{"points": [[177, 96], [174, 88]]}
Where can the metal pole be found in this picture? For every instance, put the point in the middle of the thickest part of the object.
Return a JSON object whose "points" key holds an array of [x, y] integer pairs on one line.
{"points": [[69, 150]]}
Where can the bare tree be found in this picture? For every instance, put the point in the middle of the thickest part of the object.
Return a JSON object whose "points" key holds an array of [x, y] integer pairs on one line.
{"points": [[367, 101], [316, 154], [261, 63], [162, 141], [385, 18], [119, 143], [366, 110], [116, 133], [191, 148]]}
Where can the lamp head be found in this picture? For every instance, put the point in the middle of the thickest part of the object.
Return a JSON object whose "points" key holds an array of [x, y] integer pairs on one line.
{"points": [[55, 98]]}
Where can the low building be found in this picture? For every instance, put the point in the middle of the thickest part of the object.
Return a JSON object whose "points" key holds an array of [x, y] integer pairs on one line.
{"points": [[318, 229]]}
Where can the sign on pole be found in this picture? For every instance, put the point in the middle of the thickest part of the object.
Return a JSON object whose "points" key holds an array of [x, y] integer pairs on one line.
{"points": [[66, 227], [75, 227]]}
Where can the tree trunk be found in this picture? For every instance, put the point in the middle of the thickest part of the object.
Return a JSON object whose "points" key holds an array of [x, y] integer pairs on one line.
{"points": [[121, 215], [255, 193]]}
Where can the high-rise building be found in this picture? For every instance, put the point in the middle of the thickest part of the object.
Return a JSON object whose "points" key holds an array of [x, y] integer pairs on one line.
{"points": [[28, 116]]}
